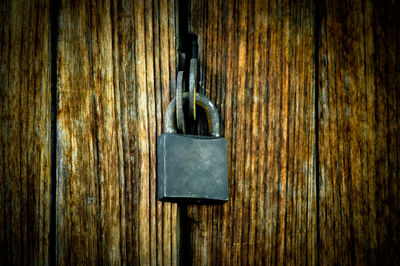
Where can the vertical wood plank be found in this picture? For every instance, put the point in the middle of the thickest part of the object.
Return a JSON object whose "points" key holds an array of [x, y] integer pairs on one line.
{"points": [[116, 62], [145, 80], [359, 132], [25, 124], [266, 79], [88, 187]]}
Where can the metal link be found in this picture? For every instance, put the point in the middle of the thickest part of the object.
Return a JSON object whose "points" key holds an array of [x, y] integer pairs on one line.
{"points": [[192, 87], [181, 61], [170, 125], [180, 119], [181, 85]]}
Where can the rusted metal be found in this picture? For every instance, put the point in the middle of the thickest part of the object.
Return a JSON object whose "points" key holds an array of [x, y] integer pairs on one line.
{"points": [[192, 87], [192, 168], [180, 118], [201, 100]]}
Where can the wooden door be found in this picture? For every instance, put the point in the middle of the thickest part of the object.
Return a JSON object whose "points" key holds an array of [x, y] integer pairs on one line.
{"points": [[308, 94]]}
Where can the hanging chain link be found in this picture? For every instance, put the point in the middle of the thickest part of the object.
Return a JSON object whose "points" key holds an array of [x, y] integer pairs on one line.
{"points": [[181, 86]]}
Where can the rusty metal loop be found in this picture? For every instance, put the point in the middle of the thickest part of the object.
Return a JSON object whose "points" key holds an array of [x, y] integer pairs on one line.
{"points": [[202, 101], [181, 61], [192, 87], [180, 118]]}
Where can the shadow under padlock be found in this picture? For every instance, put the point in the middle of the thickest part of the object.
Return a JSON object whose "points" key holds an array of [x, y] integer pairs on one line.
{"points": [[192, 168]]}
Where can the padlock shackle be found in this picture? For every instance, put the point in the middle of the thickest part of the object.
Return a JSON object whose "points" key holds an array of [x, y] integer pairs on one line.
{"points": [[202, 101]]}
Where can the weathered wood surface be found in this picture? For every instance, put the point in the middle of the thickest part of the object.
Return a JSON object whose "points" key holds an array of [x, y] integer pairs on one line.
{"points": [[25, 103], [359, 132], [115, 64], [257, 65], [308, 94]]}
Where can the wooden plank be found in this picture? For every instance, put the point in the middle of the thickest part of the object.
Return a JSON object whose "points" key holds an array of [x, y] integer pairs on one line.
{"points": [[359, 132], [261, 77], [145, 75], [116, 62], [87, 161], [25, 124]]}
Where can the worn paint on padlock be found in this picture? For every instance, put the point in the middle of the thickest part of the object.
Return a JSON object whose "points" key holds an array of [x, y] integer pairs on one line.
{"points": [[192, 168]]}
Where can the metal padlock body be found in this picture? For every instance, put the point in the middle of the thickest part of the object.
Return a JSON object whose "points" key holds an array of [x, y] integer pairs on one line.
{"points": [[189, 167]]}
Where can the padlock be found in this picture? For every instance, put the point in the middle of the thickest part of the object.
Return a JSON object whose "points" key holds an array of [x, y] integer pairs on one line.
{"points": [[192, 168]]}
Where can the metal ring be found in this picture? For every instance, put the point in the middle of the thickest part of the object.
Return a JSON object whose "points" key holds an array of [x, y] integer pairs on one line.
{"points": [[180, 119], [181, 61], [205, 103], [192, 87]]}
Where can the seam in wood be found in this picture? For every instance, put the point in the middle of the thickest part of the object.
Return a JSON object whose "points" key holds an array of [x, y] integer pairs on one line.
{"points": [[53, 17]]}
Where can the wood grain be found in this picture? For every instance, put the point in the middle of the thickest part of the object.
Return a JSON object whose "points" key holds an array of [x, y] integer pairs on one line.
{"points": [[308, 95], [257, 66], [115, 64], [359, 132], [25, 122]]}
